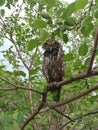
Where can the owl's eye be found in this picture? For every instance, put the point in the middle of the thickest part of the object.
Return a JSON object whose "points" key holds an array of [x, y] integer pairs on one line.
{"points": [[55, 43], [46, 44]]}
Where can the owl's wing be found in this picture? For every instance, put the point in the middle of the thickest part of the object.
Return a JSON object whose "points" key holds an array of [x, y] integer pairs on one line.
{"points": [[61, 64], [44, 68]]}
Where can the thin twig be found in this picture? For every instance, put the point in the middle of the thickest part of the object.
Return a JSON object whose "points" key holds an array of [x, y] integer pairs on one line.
{"points": [[20, 10], [90, 6], [12, 40], [33, 57], [63, 114], [2, 20]]}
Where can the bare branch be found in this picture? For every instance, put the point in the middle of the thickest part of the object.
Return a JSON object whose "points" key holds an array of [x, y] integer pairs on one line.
{"points": [[93, 53], [78, 96], [18, 87]]}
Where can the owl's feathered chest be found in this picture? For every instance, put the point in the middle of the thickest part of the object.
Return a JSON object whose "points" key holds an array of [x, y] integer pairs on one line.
{"points": [[52, 65]]}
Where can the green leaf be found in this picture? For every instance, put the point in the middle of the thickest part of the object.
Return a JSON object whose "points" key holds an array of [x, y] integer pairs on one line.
{"points": [[7, 127], [68, 71], [32, 44], [2, 2], [69, 10], [70, 21], [39, 23], [69, 57], [2, 67], [65, 38], [50, 3], [7, 119], [10, 1], [93, 98], [59, 12], [96, 14], [88, 20], [78, 63], [87, 61], [83, 49], [33, 71], [80, 4], [96, 1], [43, 36], [45, 15], [86, 30], [2, 12], [20, 117], [19, 73]]}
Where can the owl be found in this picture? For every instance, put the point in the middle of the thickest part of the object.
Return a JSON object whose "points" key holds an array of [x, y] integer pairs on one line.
{"points": [[53, 66]]}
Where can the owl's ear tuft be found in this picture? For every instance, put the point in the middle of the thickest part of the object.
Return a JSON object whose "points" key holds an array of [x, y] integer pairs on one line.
{"points": [[44, 45]]}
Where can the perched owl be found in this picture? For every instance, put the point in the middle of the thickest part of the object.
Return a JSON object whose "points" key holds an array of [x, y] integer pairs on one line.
{"points": [[53, 66]]}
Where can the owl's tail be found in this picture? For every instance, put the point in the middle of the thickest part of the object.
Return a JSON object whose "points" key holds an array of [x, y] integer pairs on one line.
{"points": [[56, 94]]}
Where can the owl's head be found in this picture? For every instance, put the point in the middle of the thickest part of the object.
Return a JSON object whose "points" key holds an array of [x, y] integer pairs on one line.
{"points": [[51, 45]]}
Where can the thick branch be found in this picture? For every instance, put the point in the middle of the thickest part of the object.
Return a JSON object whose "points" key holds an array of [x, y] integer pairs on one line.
{"points": [[69, 100], [93, 53], [72, 79]]}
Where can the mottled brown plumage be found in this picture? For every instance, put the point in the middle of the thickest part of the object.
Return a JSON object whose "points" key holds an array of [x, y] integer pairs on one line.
{"points": [[53, 66]]}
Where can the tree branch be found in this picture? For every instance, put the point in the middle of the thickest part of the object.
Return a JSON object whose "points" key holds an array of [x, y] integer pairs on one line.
{"points": [[71, 79], [93, 53], [69, 100], [63, 114], [20, 8], [37, 110], [33, 57], [18, 87], [12, 40], [79, 117], [8, 89]]}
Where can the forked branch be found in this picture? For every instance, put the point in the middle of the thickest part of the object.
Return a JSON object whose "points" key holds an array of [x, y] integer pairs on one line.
{"points": [[36, 112]]}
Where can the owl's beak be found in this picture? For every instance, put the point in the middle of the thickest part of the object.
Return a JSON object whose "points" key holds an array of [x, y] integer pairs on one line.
{"points": [[50, 48]]}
